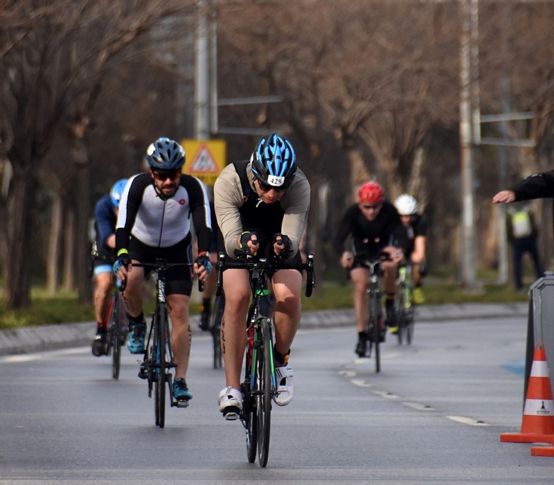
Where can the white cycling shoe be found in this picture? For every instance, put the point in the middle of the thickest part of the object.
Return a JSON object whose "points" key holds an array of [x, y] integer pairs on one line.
{"points": [[230, 403], [285, 387]]}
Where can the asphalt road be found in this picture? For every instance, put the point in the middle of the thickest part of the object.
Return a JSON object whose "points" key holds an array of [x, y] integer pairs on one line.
{"points": [[433, 415]]}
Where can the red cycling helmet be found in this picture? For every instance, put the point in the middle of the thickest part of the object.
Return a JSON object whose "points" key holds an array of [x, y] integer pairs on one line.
{"points": [[371, 193]]}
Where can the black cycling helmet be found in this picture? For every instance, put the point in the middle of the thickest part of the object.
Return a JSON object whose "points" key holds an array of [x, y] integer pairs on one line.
{"points": [[274, 162], [165, 154]]}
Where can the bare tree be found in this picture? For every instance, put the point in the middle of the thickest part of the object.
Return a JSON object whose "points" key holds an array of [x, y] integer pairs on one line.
{"points": [[55, 74]]}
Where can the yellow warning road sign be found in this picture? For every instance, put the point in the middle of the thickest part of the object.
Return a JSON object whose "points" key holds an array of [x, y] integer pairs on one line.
{"points": [[204, 158]]}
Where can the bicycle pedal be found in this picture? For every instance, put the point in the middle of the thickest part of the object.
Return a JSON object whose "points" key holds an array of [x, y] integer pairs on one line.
{"points": [[231, 414], [181, 404]]}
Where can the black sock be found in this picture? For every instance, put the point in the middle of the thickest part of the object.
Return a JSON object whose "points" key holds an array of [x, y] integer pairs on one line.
{"points": [[135, 320], [362, 335], [280, 359]]}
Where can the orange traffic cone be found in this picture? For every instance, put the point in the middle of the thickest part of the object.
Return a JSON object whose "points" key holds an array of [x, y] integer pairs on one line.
{"points": [[538, 415], [542, 450]]}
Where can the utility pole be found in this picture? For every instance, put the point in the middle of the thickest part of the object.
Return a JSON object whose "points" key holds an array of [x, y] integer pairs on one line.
{"points": [[469, 133], [202, 76]]}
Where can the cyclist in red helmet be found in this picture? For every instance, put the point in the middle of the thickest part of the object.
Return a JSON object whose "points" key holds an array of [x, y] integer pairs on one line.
{"points": [[371, 224]]}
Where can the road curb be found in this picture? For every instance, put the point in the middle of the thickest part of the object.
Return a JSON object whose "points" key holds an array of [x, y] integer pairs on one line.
{"points": [[52, 337]]}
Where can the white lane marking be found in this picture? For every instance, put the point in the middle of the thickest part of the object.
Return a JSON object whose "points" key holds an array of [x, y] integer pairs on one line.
{"points": [[418, 406], [466, 420], [360, 383], [347, 373], [386, 394], [13, 359]]}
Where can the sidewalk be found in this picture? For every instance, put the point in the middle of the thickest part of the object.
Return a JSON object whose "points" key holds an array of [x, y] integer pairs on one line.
{"points": [[51, 337]]}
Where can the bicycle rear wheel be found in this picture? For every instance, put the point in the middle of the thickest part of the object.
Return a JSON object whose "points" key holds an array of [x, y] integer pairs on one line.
{"points": [[160, 337], [265, 391], [409, 326]]}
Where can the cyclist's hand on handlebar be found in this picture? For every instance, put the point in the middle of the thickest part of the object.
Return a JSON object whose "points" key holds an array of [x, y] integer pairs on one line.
{"points": [[396, 254], [202, 265], [282, 246], [248, 243], [346, 259], [120, 268]]}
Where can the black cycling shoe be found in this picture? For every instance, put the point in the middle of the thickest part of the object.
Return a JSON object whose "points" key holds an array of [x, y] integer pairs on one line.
{"points": [[204, 320], [361, 346], [99, 344]]}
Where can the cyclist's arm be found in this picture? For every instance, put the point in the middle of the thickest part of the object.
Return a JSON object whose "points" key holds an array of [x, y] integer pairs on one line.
{"points": [[344, 230], [296, 204], [201, 213], [228, 198], [128, 208], [105, 217]]}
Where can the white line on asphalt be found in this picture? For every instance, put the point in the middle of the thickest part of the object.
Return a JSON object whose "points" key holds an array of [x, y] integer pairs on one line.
{"points": [[360, 383], [14, 359], [469, 421], [418, 406], [386, 394]]}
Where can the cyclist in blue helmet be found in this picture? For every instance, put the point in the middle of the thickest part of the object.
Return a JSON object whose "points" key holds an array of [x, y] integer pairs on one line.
{"points": [[157, 213], [103, 250], [261, 207]]}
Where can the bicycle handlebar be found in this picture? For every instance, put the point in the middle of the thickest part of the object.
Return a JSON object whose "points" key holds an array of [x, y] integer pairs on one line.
{"points": [[264, 264], [160, 266]]}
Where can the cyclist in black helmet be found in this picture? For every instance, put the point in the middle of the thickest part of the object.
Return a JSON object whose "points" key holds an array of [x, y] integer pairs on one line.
{"points": [[154, 222], [261, 207]]}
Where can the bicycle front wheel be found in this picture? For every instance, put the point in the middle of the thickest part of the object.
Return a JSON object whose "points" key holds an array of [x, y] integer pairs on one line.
{"points": [[375, 329], [265, 377], [215, 329], [248, 389], [160, 337], [116, 335]]}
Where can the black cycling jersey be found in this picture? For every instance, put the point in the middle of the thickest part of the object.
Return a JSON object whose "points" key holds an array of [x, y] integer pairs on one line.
{"points": [[404, 236], [368, 237]]}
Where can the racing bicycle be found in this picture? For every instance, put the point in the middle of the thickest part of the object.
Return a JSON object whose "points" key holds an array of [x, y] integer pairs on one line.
{"points": [[260, 383]]}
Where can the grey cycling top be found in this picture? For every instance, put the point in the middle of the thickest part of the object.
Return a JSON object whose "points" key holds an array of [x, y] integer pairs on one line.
{"points": [[229, 198]]}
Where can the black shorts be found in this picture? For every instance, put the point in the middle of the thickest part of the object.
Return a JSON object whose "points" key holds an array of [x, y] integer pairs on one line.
{"points": [[178, 279]]}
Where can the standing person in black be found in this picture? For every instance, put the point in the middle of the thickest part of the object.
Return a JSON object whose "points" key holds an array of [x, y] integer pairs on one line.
{"points": [[371, 224], [522, 231]]}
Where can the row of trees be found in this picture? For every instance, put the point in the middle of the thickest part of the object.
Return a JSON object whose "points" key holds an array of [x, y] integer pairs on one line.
{"points": [[370, 89]]}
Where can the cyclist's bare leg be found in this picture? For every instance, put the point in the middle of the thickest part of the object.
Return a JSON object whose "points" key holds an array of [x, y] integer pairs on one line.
{"points": [[287, 285], [178, 306], [102, 286], [236, 287], [133, 290], [390, 270], [359, 278]]}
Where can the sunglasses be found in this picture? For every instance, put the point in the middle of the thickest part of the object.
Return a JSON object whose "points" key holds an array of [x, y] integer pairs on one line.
{"points": [[371, 206], [166, 174], [266, 187]]}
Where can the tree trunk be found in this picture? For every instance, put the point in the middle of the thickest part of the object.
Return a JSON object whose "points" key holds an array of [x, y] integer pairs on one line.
{"points": [[82, 249], [54, 245], [18, 281], [69, 249]]}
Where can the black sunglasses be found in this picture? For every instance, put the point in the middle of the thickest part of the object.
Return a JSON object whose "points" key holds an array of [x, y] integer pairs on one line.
{"points": [[266, 187], [166, 174], [371, 206]]}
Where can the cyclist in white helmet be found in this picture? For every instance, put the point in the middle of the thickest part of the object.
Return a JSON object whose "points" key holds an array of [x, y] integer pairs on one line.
{"points": [[413, 240]]}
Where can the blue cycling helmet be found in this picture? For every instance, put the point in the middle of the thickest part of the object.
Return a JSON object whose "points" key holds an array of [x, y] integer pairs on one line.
{"points": [[165, 154], [117, 191], [274, 162]]}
